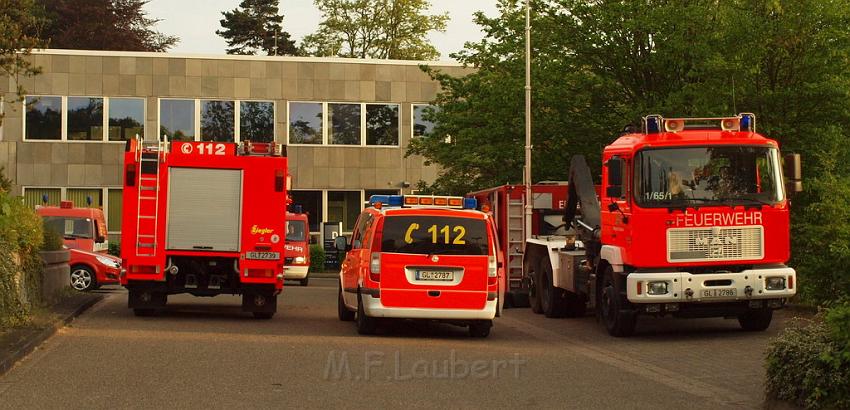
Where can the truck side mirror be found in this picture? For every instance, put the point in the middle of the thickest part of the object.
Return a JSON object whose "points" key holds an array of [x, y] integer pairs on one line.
{"points": [[793, 173], [615, 177], [341, 243]]}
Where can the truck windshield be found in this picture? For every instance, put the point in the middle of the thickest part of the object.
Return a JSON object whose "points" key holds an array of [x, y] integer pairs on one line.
{"points": [[70, 227], [295, 231], [434, 235], [724, 175]]}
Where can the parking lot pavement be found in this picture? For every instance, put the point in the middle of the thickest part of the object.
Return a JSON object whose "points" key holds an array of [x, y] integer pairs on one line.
{"points": [[203, 352]]}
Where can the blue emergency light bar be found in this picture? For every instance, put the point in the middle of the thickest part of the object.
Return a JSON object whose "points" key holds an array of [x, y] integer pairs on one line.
{"points": [[454, 202]]}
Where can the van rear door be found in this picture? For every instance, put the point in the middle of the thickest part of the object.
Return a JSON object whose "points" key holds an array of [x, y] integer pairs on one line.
{"points": [[434, 261]]}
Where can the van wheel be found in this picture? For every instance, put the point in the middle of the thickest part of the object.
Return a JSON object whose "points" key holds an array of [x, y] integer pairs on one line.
{"points": [[343, 313], [304, 282], [533, 290], [551, 298], [756, 320], [83, 279], [365, 325], [480, 328], [614, 309]]}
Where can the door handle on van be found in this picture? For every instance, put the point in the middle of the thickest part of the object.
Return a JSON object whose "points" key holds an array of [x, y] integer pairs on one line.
{"points": [[434, 293]]}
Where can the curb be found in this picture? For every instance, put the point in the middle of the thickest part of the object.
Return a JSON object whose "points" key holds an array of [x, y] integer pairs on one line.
{"points": [[34, 340]]}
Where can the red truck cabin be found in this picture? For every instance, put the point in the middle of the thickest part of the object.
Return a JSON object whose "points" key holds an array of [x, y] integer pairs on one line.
{"points": [[202, 218], [422, 257], [297, 255], [81, 228]]}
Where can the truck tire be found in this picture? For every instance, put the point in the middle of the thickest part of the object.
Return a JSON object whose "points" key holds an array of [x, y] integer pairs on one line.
{"points": [[552, 299], [533, 290], [304, 282], [365, 325], [343, 313], [261, 303], [615, 312], [756, 320], [480, 328]]}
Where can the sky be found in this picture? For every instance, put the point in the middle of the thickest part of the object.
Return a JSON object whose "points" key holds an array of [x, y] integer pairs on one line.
{"points": [[195, 22]]}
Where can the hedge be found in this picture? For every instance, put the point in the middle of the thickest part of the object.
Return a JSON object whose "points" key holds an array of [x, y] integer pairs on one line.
{"points": [[317, 258], [21, 238], [808, 364]]}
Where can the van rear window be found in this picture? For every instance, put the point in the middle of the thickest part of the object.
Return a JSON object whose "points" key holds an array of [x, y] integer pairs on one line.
{"points": [[434, 235]]}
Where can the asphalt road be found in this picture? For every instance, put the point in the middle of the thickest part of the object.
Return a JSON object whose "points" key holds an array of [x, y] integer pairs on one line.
{"points": [[205, 353]]}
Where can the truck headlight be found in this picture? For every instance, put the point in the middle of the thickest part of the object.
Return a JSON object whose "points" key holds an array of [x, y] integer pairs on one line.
{"points": [[775, 283], [656, 288], [299, 260], [108, 262]]}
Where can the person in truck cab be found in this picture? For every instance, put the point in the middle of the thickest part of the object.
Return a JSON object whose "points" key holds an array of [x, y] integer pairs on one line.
{"points": [[421, 257]]}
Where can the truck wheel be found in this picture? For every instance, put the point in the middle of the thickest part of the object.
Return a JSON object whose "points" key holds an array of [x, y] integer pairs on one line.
{"points": [[619, 319], [343, 313], [365, 325], [533, 289], [756, 320], [551, 298], [83, 279], [480, 328]]}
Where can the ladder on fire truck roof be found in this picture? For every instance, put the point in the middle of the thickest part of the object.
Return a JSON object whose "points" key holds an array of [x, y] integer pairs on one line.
{"points": [[516, 238], [148, 157]]}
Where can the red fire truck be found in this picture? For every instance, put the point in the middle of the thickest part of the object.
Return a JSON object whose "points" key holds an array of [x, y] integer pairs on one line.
{"points": [[204, 218], [297, 255], [695, 223]]}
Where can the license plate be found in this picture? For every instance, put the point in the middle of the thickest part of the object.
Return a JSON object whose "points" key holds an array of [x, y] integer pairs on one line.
{"points": [[719, 293], [265, 256], [435, 275]]}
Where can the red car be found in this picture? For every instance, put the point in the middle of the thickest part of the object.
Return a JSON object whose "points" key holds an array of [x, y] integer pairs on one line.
{"points": [[90, 270]]}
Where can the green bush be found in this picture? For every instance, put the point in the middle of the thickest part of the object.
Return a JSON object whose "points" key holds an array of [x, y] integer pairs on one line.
{"points": [[809, 363], [317, 258], [21, 238], [52, 240], [115, 249]]}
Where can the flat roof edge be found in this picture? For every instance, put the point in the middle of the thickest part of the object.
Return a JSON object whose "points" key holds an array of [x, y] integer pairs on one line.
{"points": [[101, 53]]}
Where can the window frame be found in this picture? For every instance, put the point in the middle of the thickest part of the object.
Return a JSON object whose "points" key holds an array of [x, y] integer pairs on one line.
{"points": [[237, 113], [326, 126], [63, 130], [413, 118], [106, 106]]}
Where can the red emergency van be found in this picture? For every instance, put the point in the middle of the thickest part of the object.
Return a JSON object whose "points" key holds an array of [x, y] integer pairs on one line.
{"points": [[297, 248], [82, 228], [422, 257]]}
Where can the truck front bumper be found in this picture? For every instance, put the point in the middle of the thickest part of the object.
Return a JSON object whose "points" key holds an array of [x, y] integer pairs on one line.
{"points": [[374, 308], [684, 287]]}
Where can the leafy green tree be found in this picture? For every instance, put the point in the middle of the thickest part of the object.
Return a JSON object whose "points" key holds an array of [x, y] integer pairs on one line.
{"points": [[101, 25], [17, 22], [255, 26], [385, 29]]}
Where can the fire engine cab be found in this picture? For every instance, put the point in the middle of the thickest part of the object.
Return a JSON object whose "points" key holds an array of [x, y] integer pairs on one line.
{"points": [[422, 257], [297, 256], [204, 218]]}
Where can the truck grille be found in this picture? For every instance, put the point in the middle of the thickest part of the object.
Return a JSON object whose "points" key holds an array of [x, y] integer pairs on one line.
{"points": [[715, 243]]}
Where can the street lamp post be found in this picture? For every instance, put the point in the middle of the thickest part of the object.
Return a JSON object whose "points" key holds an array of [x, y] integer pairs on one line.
{"points": [[527, 169]]}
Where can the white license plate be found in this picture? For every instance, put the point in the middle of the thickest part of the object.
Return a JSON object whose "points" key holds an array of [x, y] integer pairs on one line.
{"points": [[435, 275], [265, 256], [719, 293]]}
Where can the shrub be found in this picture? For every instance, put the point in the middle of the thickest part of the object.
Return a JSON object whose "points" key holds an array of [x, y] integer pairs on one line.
{"points": [[317, 258], [809, 363], [21, 237], [115, 249], [52, 240]]}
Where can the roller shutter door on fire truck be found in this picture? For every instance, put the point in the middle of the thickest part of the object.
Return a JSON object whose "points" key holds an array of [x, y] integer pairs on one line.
{"points": [[204, 209]]}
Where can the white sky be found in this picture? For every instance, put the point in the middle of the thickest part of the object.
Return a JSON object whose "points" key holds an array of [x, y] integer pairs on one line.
{"points": [[195, 22]]}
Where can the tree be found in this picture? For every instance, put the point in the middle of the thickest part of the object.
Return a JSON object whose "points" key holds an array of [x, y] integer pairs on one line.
{"points": [[394, 29], [17, 20], [120, 25], [256, 26]]}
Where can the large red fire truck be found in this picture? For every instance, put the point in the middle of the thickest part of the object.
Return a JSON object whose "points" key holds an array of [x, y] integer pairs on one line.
{"points": [[204, 218], [692, 220]]}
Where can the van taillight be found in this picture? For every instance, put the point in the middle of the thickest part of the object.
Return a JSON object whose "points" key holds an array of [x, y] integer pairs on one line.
{"points": [[130, 177], [375, 267], [492, 268]]}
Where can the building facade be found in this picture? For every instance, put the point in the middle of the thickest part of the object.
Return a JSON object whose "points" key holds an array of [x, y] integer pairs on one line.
{"points": [[346, 123]]}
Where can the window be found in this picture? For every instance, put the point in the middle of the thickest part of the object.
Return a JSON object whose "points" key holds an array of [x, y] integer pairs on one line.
{"points": [[68, 226], [422, 125], [311, 203], [434, 235], [85, 198], [256, 121], [177, 119], [115, 200], [345, 124], [305, 123], [36, 196], [381, 124], [344, 206], [43, 118], [295, 231], [217, 121], [85, 119], [126, 118]]}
